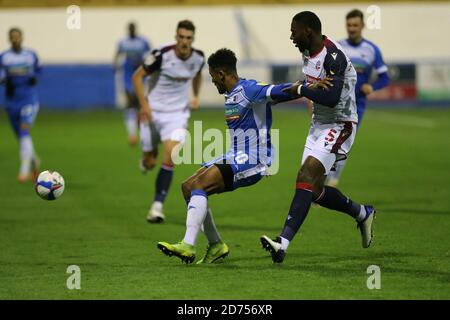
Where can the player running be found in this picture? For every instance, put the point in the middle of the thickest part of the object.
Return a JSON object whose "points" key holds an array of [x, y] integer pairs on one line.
{"points": [[165, 113], [249, 118], [331, 134], [133, 49], [19, 68], [365, 57]]}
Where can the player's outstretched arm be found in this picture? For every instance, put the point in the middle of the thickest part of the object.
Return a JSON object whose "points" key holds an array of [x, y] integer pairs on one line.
{"points": [[335, 65], [288, 91], [269, 92], [279, 93], [145, 111], [282, 92], [327, 97]]}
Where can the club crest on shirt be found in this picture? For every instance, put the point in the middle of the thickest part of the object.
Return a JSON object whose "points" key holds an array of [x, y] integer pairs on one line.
{"points": [[318, 65], [235, 98]]}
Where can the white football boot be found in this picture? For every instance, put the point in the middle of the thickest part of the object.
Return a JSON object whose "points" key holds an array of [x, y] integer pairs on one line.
{"points": [[365, 226], [155, 214], [274, 247]]}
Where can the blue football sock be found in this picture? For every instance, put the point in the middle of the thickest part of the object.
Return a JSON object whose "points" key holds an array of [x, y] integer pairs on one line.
{"points": [[333, 199], [163, 182], [299, 209]]}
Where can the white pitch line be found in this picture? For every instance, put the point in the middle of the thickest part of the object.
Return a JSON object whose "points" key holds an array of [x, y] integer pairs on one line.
{"points": [[405, 120]]}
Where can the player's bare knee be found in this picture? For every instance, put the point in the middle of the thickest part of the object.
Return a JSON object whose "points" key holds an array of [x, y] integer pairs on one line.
{"points": [[198, 183], [186, 188]]}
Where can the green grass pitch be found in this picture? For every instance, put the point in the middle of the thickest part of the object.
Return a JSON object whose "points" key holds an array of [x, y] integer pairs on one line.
{"points": [[400, 163]]}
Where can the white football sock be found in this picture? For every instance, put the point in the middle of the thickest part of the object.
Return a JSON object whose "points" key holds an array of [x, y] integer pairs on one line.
{"points": [[209, 227], [26, 154], [196, 213], [131, 120], [284, 243], [157, 205]]}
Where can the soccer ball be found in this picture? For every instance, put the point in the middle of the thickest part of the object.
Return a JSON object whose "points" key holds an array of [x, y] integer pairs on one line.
{"points": [[49, 185]]}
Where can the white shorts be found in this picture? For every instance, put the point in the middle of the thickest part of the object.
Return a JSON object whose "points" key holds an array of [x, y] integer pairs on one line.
{"points": [[165, 126], [329, 142]]}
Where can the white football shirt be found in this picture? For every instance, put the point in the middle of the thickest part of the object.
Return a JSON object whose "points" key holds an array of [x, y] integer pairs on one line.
{"points": [[332, 61], [171, 78]]}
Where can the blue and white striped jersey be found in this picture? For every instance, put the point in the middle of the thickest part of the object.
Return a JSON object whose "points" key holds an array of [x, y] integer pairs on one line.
{"points": [[19, 69], [248, 115], [365, 57], [134, 50]]}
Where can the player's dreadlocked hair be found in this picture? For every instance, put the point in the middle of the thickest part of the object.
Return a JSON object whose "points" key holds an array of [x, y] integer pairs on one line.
{"points": [[309, 19], [223, 59]]}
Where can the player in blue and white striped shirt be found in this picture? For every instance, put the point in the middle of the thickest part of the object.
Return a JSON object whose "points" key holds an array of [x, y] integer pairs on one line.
{"points": [[19, 69], [365, 57], [249, 118], [133, 48]]}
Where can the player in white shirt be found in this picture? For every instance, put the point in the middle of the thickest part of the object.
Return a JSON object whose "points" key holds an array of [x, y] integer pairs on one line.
{"points": [[331, 135], [165, 112]]}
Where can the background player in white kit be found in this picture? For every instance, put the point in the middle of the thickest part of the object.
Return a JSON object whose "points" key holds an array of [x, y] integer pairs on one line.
{"points": [[164, 114], [331, 134]]}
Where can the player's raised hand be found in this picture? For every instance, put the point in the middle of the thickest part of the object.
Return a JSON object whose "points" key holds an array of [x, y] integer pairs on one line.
{"points": [[322, 84], [195, 103]]}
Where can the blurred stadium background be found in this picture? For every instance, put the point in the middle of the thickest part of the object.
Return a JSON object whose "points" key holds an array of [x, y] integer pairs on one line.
{"points": [[400, 161], [78, 62]]}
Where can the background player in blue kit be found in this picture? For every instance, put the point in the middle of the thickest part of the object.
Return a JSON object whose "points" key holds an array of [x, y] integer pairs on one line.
{"points": [[249, 118], [19, 68], [365, 57], [133, 48]]}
